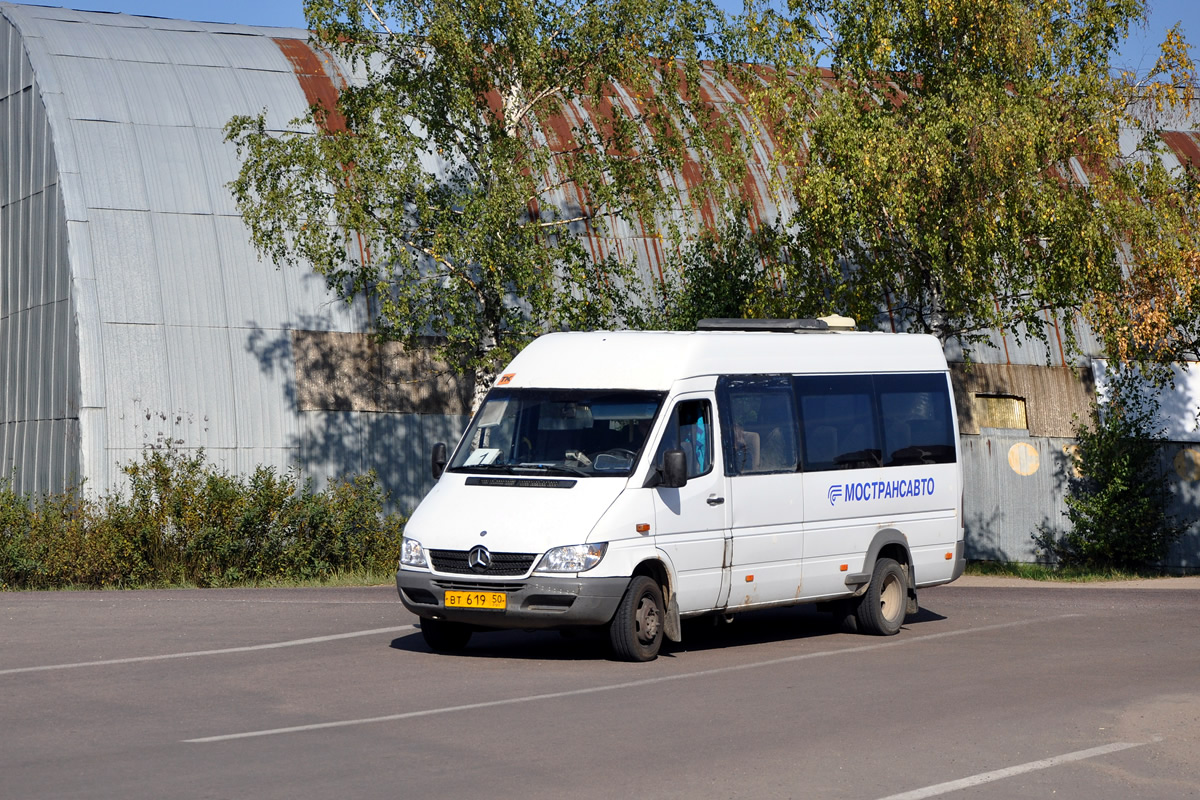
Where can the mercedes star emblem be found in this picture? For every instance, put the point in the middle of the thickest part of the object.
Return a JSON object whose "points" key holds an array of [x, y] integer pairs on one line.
{"points": [[479, 559]]}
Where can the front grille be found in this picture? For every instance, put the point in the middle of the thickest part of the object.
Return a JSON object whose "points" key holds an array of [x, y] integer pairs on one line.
{"points": [[455, 561], [478, 586]]}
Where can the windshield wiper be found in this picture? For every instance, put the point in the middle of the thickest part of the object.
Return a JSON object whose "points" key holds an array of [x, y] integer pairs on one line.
{"points": [[562, 469], [506, 469]]}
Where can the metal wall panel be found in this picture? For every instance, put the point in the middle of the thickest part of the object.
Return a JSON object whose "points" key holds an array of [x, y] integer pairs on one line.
{"points": [[201, 411], [62, 38], [1002, 507], [255, 289], [282, 459], [190, 268], [132, 44], [136, 394], [112, 176], [158, 83], [278, 93], [96, 462], [192, 48], [264, 382], [254, 51], [123, 261], [219, 158], [92, 89], [175, 177], [214, 95]]}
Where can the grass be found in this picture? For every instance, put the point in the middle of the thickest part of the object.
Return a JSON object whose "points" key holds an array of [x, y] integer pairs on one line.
{"points": [[347, 579], [1042, 572]]}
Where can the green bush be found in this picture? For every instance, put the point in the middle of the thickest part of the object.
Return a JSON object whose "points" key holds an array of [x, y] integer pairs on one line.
{"points": [[1118, 506], [184, 521]]}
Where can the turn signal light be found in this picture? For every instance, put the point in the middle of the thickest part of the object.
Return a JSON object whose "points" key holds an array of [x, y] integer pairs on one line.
{"points": [[949, 556], [844, 567], [642, 527], [749, 579]]}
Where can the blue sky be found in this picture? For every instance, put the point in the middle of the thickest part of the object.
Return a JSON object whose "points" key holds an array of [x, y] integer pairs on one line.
{"points": [[1138, 54]]}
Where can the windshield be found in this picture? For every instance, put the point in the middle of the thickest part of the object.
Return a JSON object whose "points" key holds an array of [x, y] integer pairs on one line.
{"points": [[567, 431]]}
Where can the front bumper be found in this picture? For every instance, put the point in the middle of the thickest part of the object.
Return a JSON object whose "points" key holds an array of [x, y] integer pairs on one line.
{"points": [[536, 602]]}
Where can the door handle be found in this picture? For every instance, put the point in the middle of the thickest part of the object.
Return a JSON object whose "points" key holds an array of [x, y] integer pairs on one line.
{"points": [[713, 500]]}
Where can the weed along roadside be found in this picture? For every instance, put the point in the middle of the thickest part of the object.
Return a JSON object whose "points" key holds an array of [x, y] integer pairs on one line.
{"points": [[184, 522]]}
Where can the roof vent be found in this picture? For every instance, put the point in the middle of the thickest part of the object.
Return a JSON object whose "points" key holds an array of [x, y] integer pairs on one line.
{"points": [[775, 325]]}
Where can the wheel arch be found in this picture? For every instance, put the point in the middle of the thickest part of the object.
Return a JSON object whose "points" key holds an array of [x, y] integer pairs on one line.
{"points": [[657, 570], [887, 543]]}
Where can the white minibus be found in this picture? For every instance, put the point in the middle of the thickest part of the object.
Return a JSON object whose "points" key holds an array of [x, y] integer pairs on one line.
{"points": [[634, 479]]}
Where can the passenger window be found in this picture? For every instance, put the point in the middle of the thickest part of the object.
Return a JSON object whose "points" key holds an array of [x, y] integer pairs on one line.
{"points": [[837, 413], [917, 426], [690, 430], [759, 419]]}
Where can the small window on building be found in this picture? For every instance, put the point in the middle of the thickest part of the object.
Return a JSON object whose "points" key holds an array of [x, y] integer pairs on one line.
{"points": [[1001, 411]]}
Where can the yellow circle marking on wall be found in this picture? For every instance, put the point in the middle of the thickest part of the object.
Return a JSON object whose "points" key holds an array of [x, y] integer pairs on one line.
{"points": [[1187, 464], [1071, 451], [1023, 459]]}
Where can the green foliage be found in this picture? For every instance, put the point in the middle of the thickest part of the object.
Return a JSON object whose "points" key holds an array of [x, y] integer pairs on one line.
{"points": [[931, 167], [1118, 506], [183, 520], [1043, 572], [725, 272], [440, 187]]}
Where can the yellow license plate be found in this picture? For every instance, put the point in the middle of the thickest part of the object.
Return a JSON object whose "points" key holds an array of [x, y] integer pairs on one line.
{"points": [[489, 600]]}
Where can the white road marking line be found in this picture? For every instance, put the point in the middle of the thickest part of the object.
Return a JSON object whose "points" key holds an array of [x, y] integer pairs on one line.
{"points": [[615, 686], [301, 602], [1008, 772], [222, 651]]}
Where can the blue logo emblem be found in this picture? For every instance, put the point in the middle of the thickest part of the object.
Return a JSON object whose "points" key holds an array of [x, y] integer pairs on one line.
{"points": [[879, 490]]}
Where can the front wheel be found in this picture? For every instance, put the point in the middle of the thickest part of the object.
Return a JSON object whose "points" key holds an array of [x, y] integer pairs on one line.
{"points": [[881, 609], [445, 637], [636, 630]]}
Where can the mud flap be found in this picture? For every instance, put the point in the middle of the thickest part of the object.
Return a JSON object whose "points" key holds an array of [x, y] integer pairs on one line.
{"points": [[672, 629], [912, 607]]}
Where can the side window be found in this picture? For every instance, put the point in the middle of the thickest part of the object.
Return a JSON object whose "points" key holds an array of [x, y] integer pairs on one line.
{"points": [[837, 413], [689, 429], [917, 426], [759, 422]]}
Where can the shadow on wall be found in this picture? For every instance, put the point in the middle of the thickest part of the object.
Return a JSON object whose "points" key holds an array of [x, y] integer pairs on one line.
{"points": [[1181, 462], [1003, 507], [1012, 484], [361, 404]]}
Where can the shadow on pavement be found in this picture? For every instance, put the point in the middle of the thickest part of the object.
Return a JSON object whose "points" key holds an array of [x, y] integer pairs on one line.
{"points": [[699, 635]]}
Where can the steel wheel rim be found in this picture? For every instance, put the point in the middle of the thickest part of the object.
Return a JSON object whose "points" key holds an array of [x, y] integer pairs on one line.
{"points": [[647, 620], [891, 598]]}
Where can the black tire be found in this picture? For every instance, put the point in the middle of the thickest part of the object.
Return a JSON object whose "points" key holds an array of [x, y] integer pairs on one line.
{"points": [[445, 637], [882, 608], [636, 630]]}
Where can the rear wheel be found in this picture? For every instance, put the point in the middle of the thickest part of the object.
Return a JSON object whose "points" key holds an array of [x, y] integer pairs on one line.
{"points": [[445, 637], [881, 609], [636, 630]]}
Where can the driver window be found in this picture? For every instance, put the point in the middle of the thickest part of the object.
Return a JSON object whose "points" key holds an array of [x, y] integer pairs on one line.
{"points": [[690, 430]]}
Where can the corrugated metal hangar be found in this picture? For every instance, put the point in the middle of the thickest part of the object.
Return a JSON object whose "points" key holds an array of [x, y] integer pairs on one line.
{"points": [[133, 308]]}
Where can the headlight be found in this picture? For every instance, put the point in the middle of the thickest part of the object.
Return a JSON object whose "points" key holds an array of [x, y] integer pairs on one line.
{"points": [[573, 558], [411, 553]]}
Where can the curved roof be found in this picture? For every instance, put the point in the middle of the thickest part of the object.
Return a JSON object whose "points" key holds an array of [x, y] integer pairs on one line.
{"points": [[118, 158]]}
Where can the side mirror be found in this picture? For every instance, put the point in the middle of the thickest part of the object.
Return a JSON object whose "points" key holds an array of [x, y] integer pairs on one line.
{"points": [[439, 459], [674, 469]]}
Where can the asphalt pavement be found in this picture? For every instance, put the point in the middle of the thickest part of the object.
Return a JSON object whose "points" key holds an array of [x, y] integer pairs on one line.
{"points": [[995, 690]]}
